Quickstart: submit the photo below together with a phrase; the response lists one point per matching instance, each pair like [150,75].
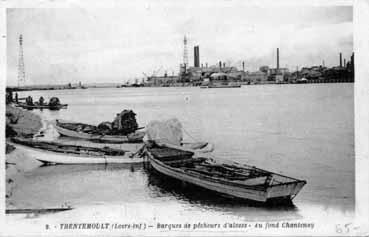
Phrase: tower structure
[185,52]
[21,70]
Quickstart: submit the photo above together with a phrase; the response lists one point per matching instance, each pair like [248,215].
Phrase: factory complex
[201,74]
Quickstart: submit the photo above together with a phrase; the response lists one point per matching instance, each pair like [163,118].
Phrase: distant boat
[302,80]
[44,106]
[225,84]
[58,153]
[84,131]
[225,177]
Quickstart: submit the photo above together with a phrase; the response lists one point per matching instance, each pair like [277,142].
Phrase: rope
[188,134]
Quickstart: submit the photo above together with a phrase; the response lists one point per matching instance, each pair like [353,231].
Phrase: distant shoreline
[37,88]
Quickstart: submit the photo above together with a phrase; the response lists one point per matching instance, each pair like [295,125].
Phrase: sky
[119,44]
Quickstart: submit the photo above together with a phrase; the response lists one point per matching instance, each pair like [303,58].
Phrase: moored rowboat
[70,129]
[230,178]
[45,106]
[57,153]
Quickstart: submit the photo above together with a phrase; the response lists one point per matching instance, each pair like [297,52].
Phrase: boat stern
[285,190]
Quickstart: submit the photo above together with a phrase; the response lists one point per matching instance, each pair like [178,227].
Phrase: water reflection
[136,183]
[68,169]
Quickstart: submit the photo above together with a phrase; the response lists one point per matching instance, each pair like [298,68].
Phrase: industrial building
[199,74]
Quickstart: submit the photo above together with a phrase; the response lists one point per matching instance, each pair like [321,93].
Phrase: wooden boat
[224,86]
[37,211]
[221,84]
[89,132]
[44,106]
[225,177]
[57,153]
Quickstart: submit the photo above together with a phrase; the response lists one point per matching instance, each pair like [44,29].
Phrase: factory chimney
[223,65]
[340,59]
[277,58]
[243,65]
[352,60]
[196,56]
[220,64]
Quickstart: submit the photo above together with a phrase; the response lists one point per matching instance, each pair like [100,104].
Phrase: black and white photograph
[176,118]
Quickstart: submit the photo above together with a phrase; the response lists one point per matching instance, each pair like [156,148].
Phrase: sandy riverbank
[24,123]
[29,124]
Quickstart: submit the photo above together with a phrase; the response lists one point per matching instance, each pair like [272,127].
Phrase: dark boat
[225,177]
[44,106]
[90,132]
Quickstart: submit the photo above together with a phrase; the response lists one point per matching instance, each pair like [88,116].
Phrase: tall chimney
[340,59]
[243,65]
[220,64]
[277,58]
[223,64]
[196,56]
[352,60]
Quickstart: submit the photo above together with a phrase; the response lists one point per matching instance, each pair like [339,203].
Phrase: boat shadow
[194,194]
[46,169]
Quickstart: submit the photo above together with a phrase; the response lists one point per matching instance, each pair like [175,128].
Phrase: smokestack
[277,58]
[340,59]
[352,60]
[243,65]
[223,64]
[196,56]
[220,64]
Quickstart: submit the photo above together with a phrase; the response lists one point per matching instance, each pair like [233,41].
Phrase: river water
[304,131]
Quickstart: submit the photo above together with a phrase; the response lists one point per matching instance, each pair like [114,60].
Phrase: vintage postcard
[176,118]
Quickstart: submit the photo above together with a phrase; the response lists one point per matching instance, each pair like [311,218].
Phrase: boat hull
[219,85]
[50,157]
[259,193]
[214,186]
[131,138]
[57,107]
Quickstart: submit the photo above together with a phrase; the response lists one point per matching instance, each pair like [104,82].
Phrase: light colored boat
[57,153]
[225,177]
[63,128]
